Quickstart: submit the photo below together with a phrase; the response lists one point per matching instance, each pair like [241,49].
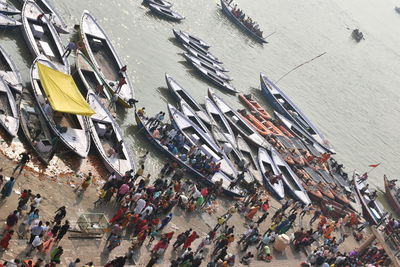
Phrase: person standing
[11,220]
[36,231]
[63,230]
[121,82]
[60,214]
[25,158]
[36,244]
[5,241]
[74,263]
[56,254]
[85,184]
[7,188]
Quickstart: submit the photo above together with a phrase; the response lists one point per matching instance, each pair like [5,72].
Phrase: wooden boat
[233,154]
[191,114]
[219,118]
[209,75]
[34,126]
[260,126]
[198,49]
[282,104]
[192,59]
[91,78]
[291,181]
[53,15]
[200,139]
[253,105]
[191,37]
[357,35]
[227,10]
[41,36]
[250,158]
[8,22]
[70,129]
[238,122]
[373,212]
[392,196]
[105,58]
[7,8]
[299,133]
[313,177]
[108,138]
[180,93]
[9,118]
[206,59]
[9,72]
[162,3]
[208,181]
[166,13]
[268,169]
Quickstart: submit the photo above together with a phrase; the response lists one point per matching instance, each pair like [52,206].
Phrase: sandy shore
[56,184]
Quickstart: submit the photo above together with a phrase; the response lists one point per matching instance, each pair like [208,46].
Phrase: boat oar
[269,35]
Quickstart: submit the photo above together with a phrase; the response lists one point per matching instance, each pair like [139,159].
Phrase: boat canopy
[62,92]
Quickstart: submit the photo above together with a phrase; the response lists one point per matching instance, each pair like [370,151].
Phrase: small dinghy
[203,58]
[62,105]
[162,3]
[41,36]
[178,34]
[282,104]
[357,35]
[180,93]
[8,22]
[35,128]
[9,118]
[290,179]
[219,118]
[8,8]
[9,72]
[238,122]
[200,139]
[191,59]
[91,78]
[209,75]
[105,58]
[108,138]
[165,13]
[250,159]
[269,170]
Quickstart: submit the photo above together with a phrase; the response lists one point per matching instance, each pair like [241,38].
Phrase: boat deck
[104,58]
[46,38]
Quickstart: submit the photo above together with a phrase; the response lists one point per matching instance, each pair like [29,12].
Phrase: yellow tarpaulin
[62,92]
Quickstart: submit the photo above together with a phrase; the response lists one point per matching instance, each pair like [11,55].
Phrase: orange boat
[254,106]
[258,125]
[283,129]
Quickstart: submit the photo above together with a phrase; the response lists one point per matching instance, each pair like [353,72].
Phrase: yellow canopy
[62,92]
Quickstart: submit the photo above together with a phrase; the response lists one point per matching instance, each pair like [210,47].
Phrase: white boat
[9,117]
[35,128]
[290,179]
[197,137]
[238,122]
[249,157]
[219,118]
[266,164]
[41,36]
[7,8]
[103,55]
[70,128]
[9,72]
[8,22]
[191,114]
[108,139]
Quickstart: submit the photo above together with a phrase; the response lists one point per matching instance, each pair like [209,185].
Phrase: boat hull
[391,197]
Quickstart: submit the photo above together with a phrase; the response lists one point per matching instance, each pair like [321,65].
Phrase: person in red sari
[190,240]
[121,211]
[5,241]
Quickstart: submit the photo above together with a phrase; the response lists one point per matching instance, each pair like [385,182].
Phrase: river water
[351,93]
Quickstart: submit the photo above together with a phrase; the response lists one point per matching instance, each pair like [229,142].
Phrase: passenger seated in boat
[48,110]
[364,189]
[109,131]
[122,71]
[156,134]
[119,146]
[274,179]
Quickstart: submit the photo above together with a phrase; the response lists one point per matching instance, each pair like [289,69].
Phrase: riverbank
[58,190]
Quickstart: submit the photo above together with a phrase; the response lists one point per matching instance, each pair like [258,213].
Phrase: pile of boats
[54,114]
[238,17]
[208,65]
[162,8]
